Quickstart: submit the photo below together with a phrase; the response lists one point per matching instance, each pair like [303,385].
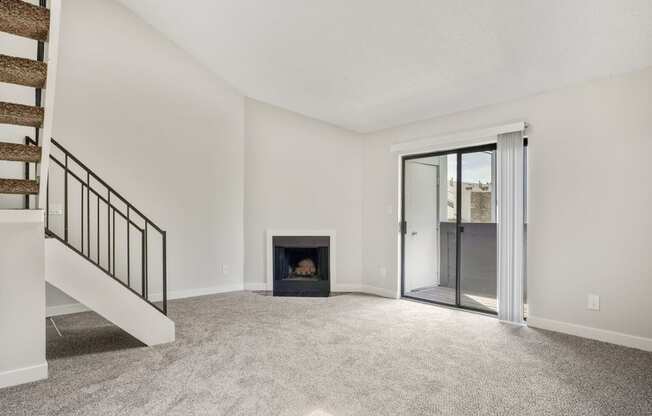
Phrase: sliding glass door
[430,273]
[449,228]
[478,237]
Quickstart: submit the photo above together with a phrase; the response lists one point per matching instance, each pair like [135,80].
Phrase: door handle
[413,233]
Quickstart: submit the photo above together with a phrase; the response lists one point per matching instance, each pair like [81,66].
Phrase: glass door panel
[477,226]
[429,229]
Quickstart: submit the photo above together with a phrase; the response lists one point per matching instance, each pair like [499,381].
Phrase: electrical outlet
[382,271]
[225,269]
[593,302]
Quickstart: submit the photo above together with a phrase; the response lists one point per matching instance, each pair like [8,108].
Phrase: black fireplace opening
[301,266]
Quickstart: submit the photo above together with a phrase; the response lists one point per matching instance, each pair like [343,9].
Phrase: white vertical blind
[510,177]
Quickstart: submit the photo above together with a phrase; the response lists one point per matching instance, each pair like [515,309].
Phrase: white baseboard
[155,297]
[517,324]
[379,291]
[255,286]
[344,287]
[603,335]
[24,375]
[65,309]
[191,293]
[370,290]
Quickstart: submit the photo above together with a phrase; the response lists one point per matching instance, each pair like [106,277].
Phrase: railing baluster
[65,201]
[145,283]
[98,231]
[165,274]
[26,176]
[142,262]
[128,250]
[81,197]
[113,238]
[108,232]
[47,205]
[88,214]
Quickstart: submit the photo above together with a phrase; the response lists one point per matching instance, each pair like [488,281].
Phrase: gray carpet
[248,354]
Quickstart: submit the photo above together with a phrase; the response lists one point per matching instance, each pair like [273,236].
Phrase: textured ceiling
[371,64]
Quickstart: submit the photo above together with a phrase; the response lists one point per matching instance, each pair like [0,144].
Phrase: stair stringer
[51,57]
[85,282]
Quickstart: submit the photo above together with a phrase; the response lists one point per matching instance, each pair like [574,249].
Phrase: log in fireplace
[301,265]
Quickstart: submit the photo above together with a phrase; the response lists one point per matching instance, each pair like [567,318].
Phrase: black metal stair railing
[91,211]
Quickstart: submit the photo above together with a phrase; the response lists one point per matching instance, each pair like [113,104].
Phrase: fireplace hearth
[301,265]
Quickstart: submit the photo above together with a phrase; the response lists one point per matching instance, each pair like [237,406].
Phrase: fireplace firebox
[301,265]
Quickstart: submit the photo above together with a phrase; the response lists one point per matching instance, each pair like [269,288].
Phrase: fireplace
[301,265]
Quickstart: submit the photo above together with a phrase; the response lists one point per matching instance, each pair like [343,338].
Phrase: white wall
[590,228]
[22,297]
[162,130]
[301,173]
[171,138]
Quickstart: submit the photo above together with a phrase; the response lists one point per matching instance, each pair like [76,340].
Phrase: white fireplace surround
[271,233]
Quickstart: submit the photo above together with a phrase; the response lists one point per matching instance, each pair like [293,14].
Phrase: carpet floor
[247,354]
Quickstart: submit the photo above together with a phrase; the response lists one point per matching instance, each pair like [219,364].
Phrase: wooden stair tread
[18,187]
[20,152]
[21,115]
[24,19]
[21,71]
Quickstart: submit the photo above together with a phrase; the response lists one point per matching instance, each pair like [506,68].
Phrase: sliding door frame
[458,222]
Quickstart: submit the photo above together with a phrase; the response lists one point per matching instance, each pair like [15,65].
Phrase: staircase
[103,251]
[100,249]
[33,22]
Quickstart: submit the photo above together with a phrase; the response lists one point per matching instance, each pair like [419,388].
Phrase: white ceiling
[371,64]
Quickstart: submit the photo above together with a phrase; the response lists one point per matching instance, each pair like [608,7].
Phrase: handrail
[132,217]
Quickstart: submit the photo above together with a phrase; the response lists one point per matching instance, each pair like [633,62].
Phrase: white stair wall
[78,278]
[22,298]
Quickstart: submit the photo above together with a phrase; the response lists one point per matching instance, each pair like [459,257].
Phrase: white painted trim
[456,140]
[193,293]
[346,287]
[255,286]
[270,233]
[51,57]
[521,324]
[603,335]
[67,309]
[379,291]
[24,375]
[15,216]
